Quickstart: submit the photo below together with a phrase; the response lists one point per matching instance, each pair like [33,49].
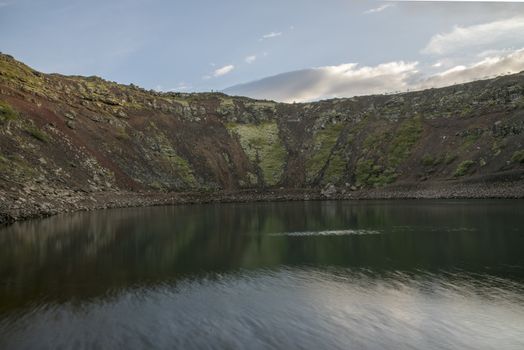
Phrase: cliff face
[61,135]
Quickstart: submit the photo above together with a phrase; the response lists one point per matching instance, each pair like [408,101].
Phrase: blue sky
[285,50]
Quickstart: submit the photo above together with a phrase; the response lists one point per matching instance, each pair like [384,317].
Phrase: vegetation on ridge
[263,147]
[91,135]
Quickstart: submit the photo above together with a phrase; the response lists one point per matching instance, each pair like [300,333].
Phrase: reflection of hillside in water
[293,307]
[88,254]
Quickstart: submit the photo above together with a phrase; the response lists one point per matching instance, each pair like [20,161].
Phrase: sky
[293,50]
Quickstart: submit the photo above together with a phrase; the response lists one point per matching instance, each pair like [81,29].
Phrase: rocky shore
[38,205]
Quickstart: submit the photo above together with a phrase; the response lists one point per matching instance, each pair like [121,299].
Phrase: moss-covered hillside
[64,134]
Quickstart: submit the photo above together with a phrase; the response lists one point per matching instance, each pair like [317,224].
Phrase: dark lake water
[302,275]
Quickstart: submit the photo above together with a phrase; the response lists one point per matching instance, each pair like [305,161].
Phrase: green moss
[375,139]
[335,169]
[37,134]
[226,106]
[388,150]
[182,102]
[17,71]
[226,102]
[16,168]
[263,147]
[5,165]
[252,179]
[470,140]
[323,142]
[466,111]
[121,134]
[404,139]
[518,157]
[156,186]
[170,158]
[261,106]
[184,170]
[428,160]
[181,169]
[7,113]
[498,146]
[370,174]
[449,158]
[463,168]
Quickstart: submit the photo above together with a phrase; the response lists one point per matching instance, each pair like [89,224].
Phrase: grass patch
[261,106]
[466,111]
[121,134]
[449,158]
[498,146]
[184,170]
[370,174]
[16,168]
[167,156]
[263,147]
[38,134]
[335,169]
[226,102]
[386,151]
[7,113]
[428,160]
[323,142]
[518,157]
[404,139]
[463,168]
[470,140]
[374,140]
[18,71]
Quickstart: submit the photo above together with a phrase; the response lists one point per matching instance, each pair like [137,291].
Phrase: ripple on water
[327,233]
[328,308]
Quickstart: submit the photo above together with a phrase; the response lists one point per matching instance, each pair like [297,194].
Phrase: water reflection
[273,272]
[288,308]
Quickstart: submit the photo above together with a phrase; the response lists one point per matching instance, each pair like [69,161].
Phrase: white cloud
[223,70]
[330,81]
[350,79]
[486,68]
[378,9]
[488,53]
[502,32]
[271,35]
[251,59]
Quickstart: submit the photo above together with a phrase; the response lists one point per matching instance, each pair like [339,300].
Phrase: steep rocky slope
[66,141]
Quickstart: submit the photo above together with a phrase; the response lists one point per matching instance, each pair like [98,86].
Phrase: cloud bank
[350,79]
[486,68]
[506,32]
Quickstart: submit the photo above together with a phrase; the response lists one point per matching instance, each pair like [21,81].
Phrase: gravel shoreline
[39,205]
